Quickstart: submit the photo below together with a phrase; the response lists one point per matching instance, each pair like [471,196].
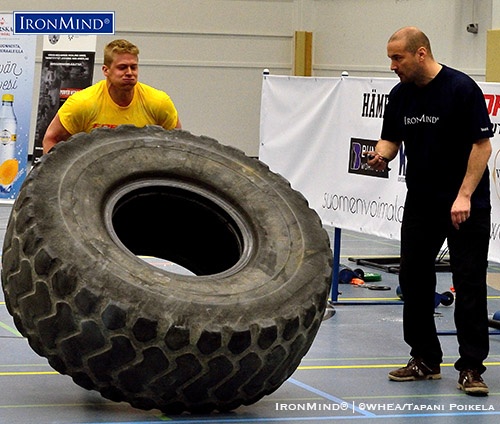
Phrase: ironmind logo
[62,23]
[424,119]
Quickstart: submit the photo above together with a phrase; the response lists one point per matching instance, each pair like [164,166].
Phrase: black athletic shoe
[471,382]
[416,370]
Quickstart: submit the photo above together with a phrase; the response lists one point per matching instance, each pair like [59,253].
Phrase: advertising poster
[313,131]
[17,65]
[67,67]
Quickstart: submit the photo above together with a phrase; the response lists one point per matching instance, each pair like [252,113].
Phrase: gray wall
[209,54]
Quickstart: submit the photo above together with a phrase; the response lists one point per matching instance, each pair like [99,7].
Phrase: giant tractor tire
[79,290]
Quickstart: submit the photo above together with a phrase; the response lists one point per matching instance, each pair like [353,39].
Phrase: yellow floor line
[25,373]
[448,358]
[10,329]
[369,366]
[385,298]
[301,368]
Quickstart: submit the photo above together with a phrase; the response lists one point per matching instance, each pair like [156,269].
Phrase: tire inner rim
[179,227]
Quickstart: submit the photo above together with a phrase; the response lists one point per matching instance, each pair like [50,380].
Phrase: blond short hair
[118,47]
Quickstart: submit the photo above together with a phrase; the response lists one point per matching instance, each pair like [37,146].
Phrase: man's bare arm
[478,160]
[54,134]
[384,152]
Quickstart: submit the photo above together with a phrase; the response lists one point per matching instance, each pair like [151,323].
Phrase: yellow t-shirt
[93,107]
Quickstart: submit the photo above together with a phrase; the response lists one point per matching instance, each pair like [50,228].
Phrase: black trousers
[426,225]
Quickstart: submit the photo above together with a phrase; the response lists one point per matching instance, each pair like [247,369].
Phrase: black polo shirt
[438,124]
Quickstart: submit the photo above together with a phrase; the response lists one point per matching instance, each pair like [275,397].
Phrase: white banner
[313,131]
[17,69]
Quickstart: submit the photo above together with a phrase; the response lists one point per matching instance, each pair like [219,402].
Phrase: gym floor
[343,378]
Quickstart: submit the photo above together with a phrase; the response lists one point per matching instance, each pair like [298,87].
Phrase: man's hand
[460,211]
[478,160]
[376,160]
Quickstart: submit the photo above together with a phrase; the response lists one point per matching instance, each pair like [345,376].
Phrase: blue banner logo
[48,23]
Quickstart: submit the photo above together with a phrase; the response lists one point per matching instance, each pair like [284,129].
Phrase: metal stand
[337,236]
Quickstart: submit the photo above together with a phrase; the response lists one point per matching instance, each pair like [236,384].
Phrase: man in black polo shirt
[440,115]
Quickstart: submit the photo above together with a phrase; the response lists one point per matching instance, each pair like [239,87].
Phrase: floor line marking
[368,366]
[383,358]
[390,298]
[299,368]
[331,398]
[10,329]
[26,373]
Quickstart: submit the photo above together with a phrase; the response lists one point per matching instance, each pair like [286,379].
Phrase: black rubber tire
[78,290]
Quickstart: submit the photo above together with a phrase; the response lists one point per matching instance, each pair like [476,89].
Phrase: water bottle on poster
[9,164]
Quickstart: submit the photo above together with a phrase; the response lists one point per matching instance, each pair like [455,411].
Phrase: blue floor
[343,378]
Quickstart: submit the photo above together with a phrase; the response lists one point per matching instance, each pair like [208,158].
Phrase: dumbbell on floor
[446,298]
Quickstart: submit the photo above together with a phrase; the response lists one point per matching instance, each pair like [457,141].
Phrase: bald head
[411,57]
[413,39]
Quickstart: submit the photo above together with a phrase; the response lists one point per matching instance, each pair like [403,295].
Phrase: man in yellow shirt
[119,99]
